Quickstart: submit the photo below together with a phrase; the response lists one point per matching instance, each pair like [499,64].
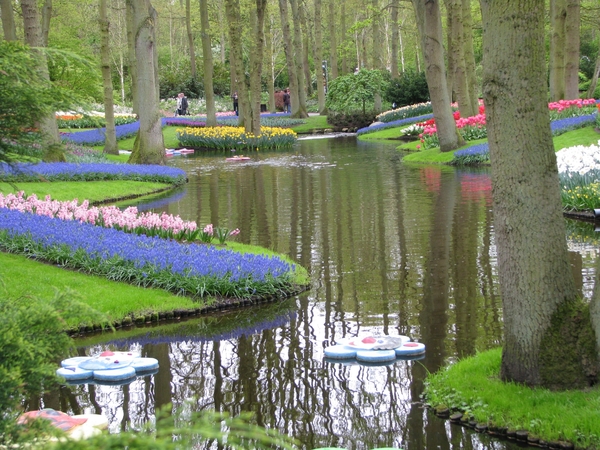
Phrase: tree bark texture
[534,273]
[572,39]
[8,20]
[190,37]
[131,56]
[333,60]
[298,98]
[394,6]
[558,14]
[469,54]
[207,60]
[256,63]
[429,22]
[33,37]
[319,57]
[288,49]
[110,137]
[149,147]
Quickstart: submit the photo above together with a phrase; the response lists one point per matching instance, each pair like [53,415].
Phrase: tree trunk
[594,81]
[333,61]
[319,58]
[544,326]
[288,49]
[110,137]
[33,37]
[298,98]
[256,60]
[46,16]
[377,49]
[394,5]
[469,53]
[306,49]
[131,56]
[149,147]
[270,64]
[207,60]
[572,22]
[190,36]
[558,14]
[8,20]
[344,58]
[430,29]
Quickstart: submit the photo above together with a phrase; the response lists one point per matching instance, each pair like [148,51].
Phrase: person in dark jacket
[182,105]
[287,107]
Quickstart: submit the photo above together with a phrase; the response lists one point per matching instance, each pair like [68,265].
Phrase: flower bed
[579,172]
[229,138]
[405,112]
[91,172]
[393,124]
[197,270]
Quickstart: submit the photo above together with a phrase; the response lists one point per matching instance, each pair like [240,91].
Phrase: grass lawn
[473,385]
[312,124]
[94,191]
[582,136]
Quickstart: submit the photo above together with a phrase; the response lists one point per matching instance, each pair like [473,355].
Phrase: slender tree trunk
[594,81]
[430,29]
[190,36]
[288,48]
[298,98]
[8,20]
[558,14]
[110,137]
[256,60]
[270,64]
[333,61]
[319,58]
[469,53]
[343,31]
[46,16]
[547,334]
[305,49]
[395,4]
[232,7]
[131,56]
[572,23]
[53,150]
[377,49]
[211,112]
[149,146]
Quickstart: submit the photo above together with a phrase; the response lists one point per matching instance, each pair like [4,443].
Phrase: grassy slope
[571,415]
[582,136]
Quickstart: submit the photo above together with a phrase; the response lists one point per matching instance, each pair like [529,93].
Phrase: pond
[390,248]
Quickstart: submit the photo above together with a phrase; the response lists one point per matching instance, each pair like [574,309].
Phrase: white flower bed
[579,159]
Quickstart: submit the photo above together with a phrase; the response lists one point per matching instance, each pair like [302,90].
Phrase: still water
[390,248]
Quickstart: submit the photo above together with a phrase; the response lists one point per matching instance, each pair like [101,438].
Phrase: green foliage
[409,89]
[75,73]
[25,96]
[351,119]
[356,92]
[198,427]
[32,340]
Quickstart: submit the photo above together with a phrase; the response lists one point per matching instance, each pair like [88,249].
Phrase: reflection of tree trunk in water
[213,198]
[433,317]
[492,301]
[403,268]
[262,219]
[163,378]
[381,250]
[464,270]
[218,392]
[595,305]
[126,397]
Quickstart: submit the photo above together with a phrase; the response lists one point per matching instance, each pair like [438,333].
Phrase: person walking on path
[287,107]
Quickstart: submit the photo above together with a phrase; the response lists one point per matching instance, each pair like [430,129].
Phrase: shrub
[353,119]
[409,89]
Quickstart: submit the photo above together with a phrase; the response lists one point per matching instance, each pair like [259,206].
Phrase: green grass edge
[472,386]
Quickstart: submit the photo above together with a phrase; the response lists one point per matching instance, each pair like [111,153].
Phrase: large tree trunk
[110,137]
[190,36]
[8,20]
[53,149]
[207,60]
[232,8]
[544,326]
[429,22]
[572,23]
[306,39]
[319,62]
[149,147]
[558,14]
